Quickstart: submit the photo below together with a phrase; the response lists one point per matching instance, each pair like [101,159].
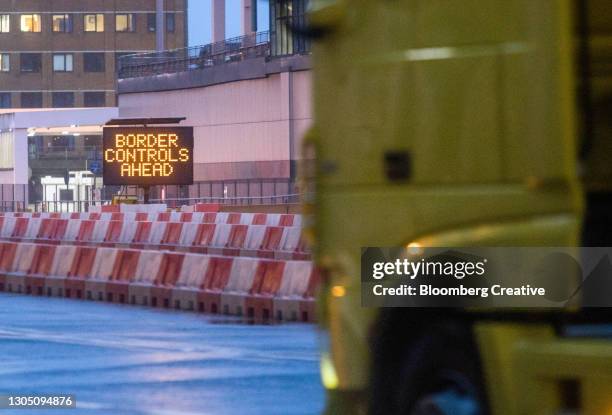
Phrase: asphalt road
[129,360]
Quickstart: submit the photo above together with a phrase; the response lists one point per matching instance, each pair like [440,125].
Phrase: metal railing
[174,203]
[195,57]
[12,205]
[64,153]
[289,199]
[66,205]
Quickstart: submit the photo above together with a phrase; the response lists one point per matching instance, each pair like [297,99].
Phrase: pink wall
[242,123]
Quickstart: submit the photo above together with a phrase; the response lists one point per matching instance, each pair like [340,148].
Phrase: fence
[195,57]
[13,197]
[245,192]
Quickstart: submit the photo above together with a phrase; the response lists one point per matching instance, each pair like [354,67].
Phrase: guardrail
[12,206]
[195,57]
[173,203]
[65,153]
[234,201]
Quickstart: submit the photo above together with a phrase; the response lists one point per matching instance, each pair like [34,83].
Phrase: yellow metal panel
[480,94]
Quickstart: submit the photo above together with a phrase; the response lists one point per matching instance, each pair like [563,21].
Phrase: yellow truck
[460,123]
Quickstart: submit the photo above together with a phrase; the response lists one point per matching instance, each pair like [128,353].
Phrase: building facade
[248,99]
[64,53]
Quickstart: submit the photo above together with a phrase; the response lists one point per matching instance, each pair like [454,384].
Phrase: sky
[200,19]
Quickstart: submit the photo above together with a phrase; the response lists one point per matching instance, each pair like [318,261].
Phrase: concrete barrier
[257,288]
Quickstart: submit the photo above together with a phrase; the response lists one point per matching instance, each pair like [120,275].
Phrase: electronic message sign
[147,155]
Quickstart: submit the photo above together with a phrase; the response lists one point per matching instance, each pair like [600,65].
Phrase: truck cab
[460,123]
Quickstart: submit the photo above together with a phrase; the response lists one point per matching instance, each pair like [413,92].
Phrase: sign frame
[112,170]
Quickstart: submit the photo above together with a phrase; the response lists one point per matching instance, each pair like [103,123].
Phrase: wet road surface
[129,360]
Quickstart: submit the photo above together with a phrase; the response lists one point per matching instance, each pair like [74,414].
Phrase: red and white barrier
[230,218]
[263,241]
[253,287]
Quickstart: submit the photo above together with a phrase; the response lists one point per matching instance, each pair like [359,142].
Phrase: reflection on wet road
[131,360]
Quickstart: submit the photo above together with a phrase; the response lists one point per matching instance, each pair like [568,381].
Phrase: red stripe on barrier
[204,235]
[271,241]
[142,217]
[186,216]
[75,215]
[172,233]
[111,208]
[7,253]
[237,236]
[124,269]
[21,225]
[80,270]
[117,216]
[216,278]
[96,215]
[233,218]
[163,216]
[207,207]
[259,219]
[268,277]
[113,232]
[39,269]
[86,230]
[210,217]
[235,240]
[286,220]
[169,272]
[60,229]
[143,230]
[47,226]
[267,281]
[84,257]
[308,305]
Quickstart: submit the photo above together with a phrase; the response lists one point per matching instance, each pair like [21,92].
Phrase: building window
[30,23]
[62,23]
[285,14]
[5,62]
[94,99]
[62,62]
[151,22]
[5,23]
[30,62]
[31,100]
[93,62]
[170,22]
[63,99]
[5,100]
[94,22]
[125,22]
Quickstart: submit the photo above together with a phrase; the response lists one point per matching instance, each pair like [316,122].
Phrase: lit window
[62,23]
[62,62]
[94,23]
[5,62]
[30,22]
[125,22]
[5,23]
